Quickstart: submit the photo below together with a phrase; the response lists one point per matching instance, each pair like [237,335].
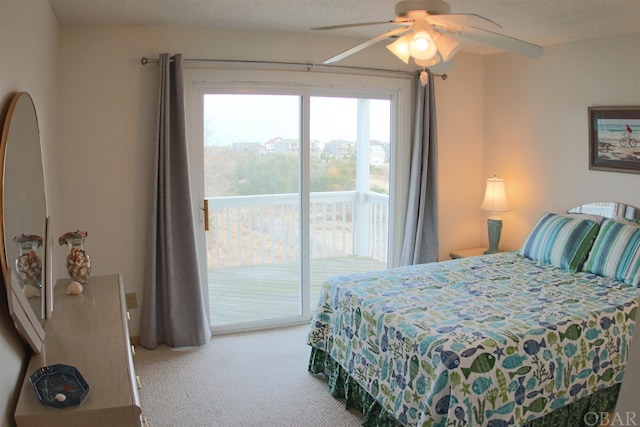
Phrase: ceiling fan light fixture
[422,45]
[424,63]
[429,24]
[400,48]
[447,46]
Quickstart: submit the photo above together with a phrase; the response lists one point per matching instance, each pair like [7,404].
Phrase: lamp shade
[428,62]
[400,48]
[422,45]
[495,197]
[447,46]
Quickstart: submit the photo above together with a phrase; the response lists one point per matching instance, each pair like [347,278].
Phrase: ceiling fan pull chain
[424,77]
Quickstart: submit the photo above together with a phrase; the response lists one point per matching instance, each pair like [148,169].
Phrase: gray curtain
[420,244]
[173,309]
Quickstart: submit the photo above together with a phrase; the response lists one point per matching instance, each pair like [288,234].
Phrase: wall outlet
[132,300]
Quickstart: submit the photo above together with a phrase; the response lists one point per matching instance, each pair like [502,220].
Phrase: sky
[258,118]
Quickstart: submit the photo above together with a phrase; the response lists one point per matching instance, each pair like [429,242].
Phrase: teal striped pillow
[560,240]
[616,252]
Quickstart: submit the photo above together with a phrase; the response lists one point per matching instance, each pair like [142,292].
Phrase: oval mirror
[24,213]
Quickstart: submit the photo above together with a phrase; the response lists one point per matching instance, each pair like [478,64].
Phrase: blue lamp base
[495,229]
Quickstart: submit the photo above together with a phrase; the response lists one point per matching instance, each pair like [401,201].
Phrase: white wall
[461,180]
[536,127]
[107,114]
[29,52]
[534,124]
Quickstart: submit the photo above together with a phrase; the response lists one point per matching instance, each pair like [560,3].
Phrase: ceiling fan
[428,32]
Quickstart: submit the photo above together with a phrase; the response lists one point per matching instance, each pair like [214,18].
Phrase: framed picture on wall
[614,139]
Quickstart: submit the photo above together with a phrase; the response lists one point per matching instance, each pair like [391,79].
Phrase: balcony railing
[253,230]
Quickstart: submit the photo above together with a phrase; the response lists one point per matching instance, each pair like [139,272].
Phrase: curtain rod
[144,61]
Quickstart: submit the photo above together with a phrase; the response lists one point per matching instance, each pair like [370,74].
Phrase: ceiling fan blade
[461,20]
[361,46]
[361,24]
[501,41]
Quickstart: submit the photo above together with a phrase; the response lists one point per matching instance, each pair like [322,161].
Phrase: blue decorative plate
[59,386]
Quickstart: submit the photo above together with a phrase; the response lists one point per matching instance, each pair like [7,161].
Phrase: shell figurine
[31,291]
[74,288]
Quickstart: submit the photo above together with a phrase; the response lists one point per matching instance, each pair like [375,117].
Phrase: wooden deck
[268,291]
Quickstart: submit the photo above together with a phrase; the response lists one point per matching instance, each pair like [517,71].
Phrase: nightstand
[465,253]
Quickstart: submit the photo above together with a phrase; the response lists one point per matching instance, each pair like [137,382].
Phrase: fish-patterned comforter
[486,341]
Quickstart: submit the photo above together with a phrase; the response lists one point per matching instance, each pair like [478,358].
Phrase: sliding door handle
[206,214]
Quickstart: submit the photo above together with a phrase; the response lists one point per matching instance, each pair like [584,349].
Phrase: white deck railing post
[363,140]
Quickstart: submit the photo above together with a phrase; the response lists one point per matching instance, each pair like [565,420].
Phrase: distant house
[340,148]
[377,155]
[288,146]
[247,147]
[280,145]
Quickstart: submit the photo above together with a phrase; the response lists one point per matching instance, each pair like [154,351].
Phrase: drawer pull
[128,315]
[138,382]
[133,349]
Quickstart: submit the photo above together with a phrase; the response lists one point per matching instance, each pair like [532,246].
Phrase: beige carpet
[240,380]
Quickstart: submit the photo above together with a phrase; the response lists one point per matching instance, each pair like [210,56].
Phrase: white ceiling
[542,22]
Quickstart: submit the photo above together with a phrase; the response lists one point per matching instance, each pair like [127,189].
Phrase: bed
[532,337]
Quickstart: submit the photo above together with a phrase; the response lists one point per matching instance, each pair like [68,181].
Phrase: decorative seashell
[60,397]
[74,288]
[31,291]
[78,264]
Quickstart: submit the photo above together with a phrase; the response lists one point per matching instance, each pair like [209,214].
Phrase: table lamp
[495,201]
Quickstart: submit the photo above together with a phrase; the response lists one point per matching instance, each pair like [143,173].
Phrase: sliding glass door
[296,189]
[252,186]
[349,185]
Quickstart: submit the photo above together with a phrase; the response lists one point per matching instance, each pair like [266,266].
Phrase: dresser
[90,332]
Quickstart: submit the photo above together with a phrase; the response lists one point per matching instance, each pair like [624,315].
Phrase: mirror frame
[613,210]
[29,324]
